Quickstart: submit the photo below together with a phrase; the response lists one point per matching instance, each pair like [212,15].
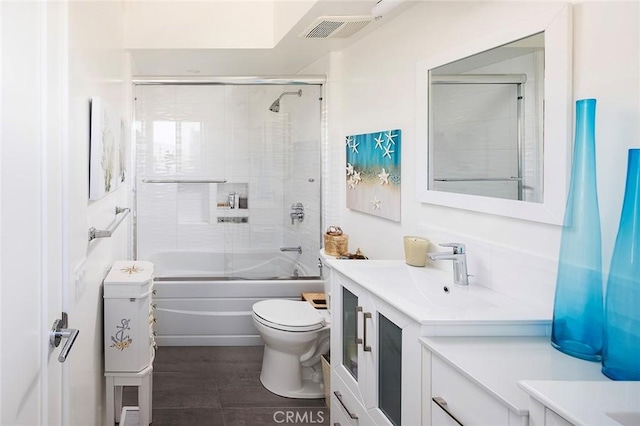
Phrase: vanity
[380,310]
[408,347]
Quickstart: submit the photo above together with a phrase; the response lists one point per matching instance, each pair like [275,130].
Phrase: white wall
[98,66]
[376,80]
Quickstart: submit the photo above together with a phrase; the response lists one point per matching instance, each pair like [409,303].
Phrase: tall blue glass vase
[621,351]
[578,306]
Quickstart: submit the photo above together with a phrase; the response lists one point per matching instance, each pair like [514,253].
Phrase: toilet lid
[288,315]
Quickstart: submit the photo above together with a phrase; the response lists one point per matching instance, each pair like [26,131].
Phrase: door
[32,231]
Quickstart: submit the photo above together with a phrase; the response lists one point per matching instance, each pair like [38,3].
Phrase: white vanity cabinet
[375,359]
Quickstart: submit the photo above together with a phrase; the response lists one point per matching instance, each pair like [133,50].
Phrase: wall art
[373,173]
[104,150]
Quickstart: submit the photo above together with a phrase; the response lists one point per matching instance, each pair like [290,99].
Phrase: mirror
[494,121]
[485,121]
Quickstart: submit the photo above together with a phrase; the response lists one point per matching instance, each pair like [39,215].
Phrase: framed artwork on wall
[107,158]
[373,173]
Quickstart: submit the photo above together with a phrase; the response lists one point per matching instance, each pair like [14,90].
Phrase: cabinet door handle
[440,401]
[339,396]
[358,339]
[367,315]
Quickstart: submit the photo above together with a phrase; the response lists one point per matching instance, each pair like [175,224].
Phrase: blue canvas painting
[373,173]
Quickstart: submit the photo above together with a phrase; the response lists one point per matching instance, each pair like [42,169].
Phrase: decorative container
[336,243]
[128,322]
[415,251]
[621,350]
[578,305]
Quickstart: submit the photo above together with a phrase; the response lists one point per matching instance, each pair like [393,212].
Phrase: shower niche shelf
[232,196]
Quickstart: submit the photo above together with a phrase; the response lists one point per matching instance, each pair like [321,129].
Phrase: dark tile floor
[212,385]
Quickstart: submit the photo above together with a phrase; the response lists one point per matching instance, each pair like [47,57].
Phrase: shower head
[275,106]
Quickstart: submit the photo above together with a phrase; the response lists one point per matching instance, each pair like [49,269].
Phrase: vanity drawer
[344,405]
[454,395]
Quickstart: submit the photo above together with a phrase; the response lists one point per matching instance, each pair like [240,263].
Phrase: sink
[429,295]
[431,288]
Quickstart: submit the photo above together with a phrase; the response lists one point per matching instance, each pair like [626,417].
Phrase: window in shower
[197,145]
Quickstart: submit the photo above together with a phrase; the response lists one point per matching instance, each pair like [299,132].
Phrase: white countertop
[496,364]
[420,294]
[589,403]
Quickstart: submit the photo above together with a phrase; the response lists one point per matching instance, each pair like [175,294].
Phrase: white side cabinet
[455,399]
[588,403]
[129,345]
[375,359]
[474,380]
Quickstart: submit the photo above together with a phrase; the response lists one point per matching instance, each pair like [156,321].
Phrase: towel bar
[105,233]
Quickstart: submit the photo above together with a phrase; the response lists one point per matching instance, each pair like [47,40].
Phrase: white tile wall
[227,132]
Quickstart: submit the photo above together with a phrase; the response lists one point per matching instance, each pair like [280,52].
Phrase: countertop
[496,364]
[589,403]
[427,295]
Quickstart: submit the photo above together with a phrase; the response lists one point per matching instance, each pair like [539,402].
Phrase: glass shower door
[218,173]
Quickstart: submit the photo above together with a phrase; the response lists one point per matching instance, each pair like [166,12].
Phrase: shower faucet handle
[297,212]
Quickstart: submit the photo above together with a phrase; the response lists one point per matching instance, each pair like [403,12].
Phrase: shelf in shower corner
[184,180]
[233,219]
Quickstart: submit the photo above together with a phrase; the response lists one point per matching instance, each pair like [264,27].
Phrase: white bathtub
[198,305]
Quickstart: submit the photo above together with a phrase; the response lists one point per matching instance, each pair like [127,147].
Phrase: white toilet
[295,335]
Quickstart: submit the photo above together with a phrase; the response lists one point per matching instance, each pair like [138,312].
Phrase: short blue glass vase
[578,305]
[621,350]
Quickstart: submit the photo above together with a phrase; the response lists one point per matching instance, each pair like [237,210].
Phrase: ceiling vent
[336,26]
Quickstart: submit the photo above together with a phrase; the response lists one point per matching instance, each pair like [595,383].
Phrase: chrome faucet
[297,212]
[459,257]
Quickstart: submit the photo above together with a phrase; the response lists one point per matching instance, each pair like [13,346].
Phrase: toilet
[295,335]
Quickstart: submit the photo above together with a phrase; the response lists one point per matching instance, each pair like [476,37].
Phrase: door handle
[358,339]
[440,401]
[58,331]
[349,412]
[367,315]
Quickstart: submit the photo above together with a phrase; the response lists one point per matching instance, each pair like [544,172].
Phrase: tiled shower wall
[226,132]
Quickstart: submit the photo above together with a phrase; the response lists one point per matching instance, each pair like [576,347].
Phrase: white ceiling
[289,56]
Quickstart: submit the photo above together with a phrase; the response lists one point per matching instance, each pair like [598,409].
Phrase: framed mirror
[494,122]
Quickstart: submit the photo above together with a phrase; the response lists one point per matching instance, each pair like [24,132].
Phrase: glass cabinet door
[349,332]
[389,369]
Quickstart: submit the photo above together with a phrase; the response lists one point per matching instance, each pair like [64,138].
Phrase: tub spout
[297,248]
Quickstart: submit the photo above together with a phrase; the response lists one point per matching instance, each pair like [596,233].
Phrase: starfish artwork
[384,177]
[376,203]
[373,173]
[388,151]
[379,141]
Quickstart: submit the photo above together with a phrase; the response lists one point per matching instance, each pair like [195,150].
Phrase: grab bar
[298,249]
[105,233]
[184,180]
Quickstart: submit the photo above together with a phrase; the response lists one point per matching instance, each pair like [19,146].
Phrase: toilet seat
[288,315]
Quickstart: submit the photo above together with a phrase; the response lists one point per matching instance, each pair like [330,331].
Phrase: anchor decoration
[120,340]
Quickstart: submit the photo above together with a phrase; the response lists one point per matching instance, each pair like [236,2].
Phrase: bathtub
[197,304]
